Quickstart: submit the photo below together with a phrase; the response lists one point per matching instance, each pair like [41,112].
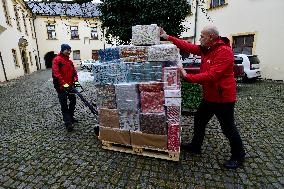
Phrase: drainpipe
[36,44]
[195,21]
[3,67]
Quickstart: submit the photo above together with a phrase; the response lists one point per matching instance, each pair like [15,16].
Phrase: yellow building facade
[28,41]
[18,48]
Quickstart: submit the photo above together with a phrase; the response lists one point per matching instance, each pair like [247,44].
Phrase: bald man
[219,90]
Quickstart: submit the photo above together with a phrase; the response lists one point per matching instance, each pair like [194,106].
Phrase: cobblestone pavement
[37,152]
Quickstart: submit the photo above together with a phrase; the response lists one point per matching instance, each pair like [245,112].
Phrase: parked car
[192,65]
[251,66]
[87,64]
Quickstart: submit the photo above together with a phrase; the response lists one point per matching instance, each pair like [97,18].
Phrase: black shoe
[233,164]
[69,127]
[191,149]
[97,131]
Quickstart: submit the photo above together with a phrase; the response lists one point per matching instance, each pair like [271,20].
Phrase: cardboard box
[115,135]
[148,140]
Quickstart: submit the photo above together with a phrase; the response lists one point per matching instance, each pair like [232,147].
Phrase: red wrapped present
[173,114]
[151,87]
[171,78]
[174,137]
[152,102]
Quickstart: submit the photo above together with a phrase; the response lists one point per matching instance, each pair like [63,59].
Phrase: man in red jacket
[64,78]
[219,90]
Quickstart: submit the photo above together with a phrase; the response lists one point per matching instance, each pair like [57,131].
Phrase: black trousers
[67,110]
[225,115]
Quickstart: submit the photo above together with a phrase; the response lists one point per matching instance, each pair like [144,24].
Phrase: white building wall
[9,40]
[263,18]
[63,35]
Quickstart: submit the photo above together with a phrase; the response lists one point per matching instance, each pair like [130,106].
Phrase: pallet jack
[86,103]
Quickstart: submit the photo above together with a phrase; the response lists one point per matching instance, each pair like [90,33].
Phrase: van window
[254,60]
[238,60]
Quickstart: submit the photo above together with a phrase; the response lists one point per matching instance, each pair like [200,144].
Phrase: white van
[251,66]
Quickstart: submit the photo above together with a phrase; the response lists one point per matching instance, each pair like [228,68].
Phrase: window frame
[95,53]
[74,37]
[25,24]
[244,45]
[76,58]
[49,31]
[6,12]
[15,58]
[32,28]
[31,60]
[220,4]
[17,18]
[92,31]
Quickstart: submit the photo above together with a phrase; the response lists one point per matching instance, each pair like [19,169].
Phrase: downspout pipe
[195,21]
[3,66]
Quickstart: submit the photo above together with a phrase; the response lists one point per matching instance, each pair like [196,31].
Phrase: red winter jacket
[216,70]
[63,71]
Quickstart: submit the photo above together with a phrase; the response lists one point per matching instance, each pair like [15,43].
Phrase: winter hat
[64,47]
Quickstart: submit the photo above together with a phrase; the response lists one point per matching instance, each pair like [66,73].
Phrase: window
[31,60]
[243,44]
[216,3]
[76,55]
[32,27]
[51,34]
[17,18]
[5,7]
[25,24]
[94,33]
[95,55]
[74,32]
[16,62]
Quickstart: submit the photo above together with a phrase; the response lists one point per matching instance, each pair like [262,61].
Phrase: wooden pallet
[155,153]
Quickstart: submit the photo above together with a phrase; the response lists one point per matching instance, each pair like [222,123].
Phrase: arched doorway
[23,43]
[48,57]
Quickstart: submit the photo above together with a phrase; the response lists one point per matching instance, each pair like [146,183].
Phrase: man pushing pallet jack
[65,80]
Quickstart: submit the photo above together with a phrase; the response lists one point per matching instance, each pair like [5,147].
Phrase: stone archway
[23,43]
[48,57]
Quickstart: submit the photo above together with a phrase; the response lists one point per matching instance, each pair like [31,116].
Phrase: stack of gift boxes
[138,94]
